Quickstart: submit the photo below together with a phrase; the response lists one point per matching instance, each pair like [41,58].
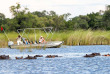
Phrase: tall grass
[78,37]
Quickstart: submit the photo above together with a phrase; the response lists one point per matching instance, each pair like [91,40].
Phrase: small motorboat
[48,44]
[52,44]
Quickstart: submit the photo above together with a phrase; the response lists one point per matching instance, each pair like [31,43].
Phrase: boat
[52,44]
[48,44]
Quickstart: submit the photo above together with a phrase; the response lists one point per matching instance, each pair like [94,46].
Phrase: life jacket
[26,42]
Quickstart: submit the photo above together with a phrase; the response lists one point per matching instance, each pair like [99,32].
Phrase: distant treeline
[23,18]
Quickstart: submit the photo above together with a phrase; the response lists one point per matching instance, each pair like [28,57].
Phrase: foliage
[23,18]
[106,18]
[95,21]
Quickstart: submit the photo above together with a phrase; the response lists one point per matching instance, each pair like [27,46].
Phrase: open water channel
[71,62]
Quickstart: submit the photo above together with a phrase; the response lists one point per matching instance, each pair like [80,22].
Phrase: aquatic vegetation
[78,37]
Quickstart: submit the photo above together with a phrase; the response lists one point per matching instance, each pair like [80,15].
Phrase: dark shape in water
[96,54]
[92,55]
[106,55]
[52,56]
[89,55]
[4,57]
[30,57]
[19,57]
[38,55]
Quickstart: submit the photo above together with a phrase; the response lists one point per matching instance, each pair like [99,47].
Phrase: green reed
[78,37]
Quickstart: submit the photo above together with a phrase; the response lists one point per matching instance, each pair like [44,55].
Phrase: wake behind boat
[48,44]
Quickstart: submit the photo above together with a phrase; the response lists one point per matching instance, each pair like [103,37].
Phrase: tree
[106,18]
[40,14]
[16,10]
[2,19]
[107,7]
[22,17]
[80,22]
[95,21]
[2,16]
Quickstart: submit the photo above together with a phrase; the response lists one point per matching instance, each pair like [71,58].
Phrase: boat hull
[52,44]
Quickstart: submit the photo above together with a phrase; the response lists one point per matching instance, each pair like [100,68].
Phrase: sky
[74,7]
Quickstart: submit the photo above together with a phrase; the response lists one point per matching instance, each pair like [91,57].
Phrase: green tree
[95,21]
[106,18]
[21,17]
[2,19]
[80,22]
[40,14]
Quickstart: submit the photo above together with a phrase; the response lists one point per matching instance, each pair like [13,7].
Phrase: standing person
[19,40]
[40,39]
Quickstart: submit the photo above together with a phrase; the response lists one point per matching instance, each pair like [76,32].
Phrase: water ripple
[71,62]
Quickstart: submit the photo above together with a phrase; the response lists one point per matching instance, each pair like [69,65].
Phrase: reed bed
[78,37]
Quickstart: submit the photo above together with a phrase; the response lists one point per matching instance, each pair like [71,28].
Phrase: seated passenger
[32,42]
[29,42]
[35,42]
[42,40]
[23,39]
[26,41]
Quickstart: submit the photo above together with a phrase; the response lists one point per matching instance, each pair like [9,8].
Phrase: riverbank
[78,37]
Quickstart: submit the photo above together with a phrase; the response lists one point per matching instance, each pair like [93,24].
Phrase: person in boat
[23,39]
[32,42]
[42,40]
[26,41]
[19,40]
[35,42]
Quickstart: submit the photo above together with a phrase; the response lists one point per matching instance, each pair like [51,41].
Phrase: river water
[71,62]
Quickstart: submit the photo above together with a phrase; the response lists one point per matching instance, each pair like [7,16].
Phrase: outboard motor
[10,43]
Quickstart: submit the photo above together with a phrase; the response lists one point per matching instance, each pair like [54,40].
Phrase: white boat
[48,44]
[52,44]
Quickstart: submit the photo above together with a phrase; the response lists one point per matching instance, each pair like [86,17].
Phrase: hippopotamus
[19,57]
[89,55]
[96,54]
[30,57]
[92,55]
[4,57]
[52,56]
[38,55]
[106,55]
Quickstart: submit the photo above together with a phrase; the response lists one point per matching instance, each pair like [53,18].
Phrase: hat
[41,36]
